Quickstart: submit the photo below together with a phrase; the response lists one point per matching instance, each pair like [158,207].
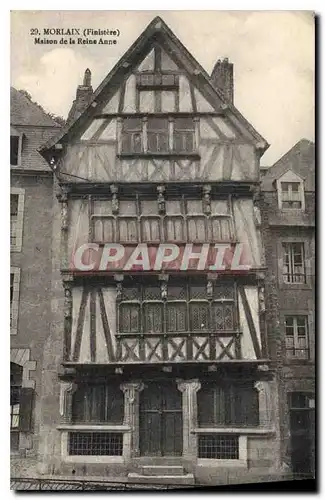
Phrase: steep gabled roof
[25,112]
[156,31]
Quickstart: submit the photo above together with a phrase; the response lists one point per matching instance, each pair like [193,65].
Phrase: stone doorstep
[144,461]
[168,479]
[162,470]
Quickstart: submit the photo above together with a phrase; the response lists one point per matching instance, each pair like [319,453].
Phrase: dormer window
[291,195]
[291,192]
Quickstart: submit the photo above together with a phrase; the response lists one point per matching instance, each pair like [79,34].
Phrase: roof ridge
[21,95]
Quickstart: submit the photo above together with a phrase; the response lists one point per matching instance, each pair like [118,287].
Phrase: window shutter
[249,406]
[26,409]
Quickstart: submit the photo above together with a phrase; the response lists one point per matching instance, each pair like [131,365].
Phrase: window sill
[168,155]
[221,462]
[294,286]
[94,427]
[234,430]
[298,362]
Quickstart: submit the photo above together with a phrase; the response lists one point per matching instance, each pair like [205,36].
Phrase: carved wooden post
[66,393]
[115,203]
[265,402]
[161,200]
[207,199]
[63,199]
[67,284]
[189,390]
[131,417]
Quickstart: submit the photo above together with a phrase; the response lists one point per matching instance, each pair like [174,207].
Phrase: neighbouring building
[31,210]
[288,215]
[156,360]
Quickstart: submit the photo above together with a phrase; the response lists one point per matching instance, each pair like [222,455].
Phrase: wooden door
[161,420]
[302,417]
[301,440]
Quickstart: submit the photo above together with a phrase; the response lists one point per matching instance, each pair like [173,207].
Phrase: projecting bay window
[296,336]
[294,263]
[187,308]
[138,220]
[154,135]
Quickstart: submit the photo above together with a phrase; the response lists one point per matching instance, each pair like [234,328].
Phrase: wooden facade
[159,156]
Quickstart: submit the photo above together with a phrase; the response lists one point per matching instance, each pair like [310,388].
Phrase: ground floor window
[228,404]
[219,447]
[95,443]
[98,403]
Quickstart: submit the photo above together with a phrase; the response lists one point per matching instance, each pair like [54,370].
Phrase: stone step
[158,461]
[162,470]
[186,479]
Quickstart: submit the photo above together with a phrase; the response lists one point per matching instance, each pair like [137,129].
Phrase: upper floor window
[15,147]
[14,298]
[138,219]
[158,135]
[291,194]
[294,263]
[16,218]
[186,309]
[296,331]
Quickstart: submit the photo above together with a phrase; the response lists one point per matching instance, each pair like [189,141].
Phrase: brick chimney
[83,96]
[223,78]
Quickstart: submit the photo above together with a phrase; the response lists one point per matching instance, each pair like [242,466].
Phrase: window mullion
[145,134]
[295,334]
[291,262]
[171,134]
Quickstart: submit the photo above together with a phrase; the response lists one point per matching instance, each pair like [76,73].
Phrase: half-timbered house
[159,369]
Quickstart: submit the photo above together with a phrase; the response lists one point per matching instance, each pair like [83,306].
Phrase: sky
[272,53]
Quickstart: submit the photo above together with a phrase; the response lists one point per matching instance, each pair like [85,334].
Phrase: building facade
[157,364]
[31,204]
[288,209]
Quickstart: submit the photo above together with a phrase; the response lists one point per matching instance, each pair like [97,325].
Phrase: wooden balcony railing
[177,347]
